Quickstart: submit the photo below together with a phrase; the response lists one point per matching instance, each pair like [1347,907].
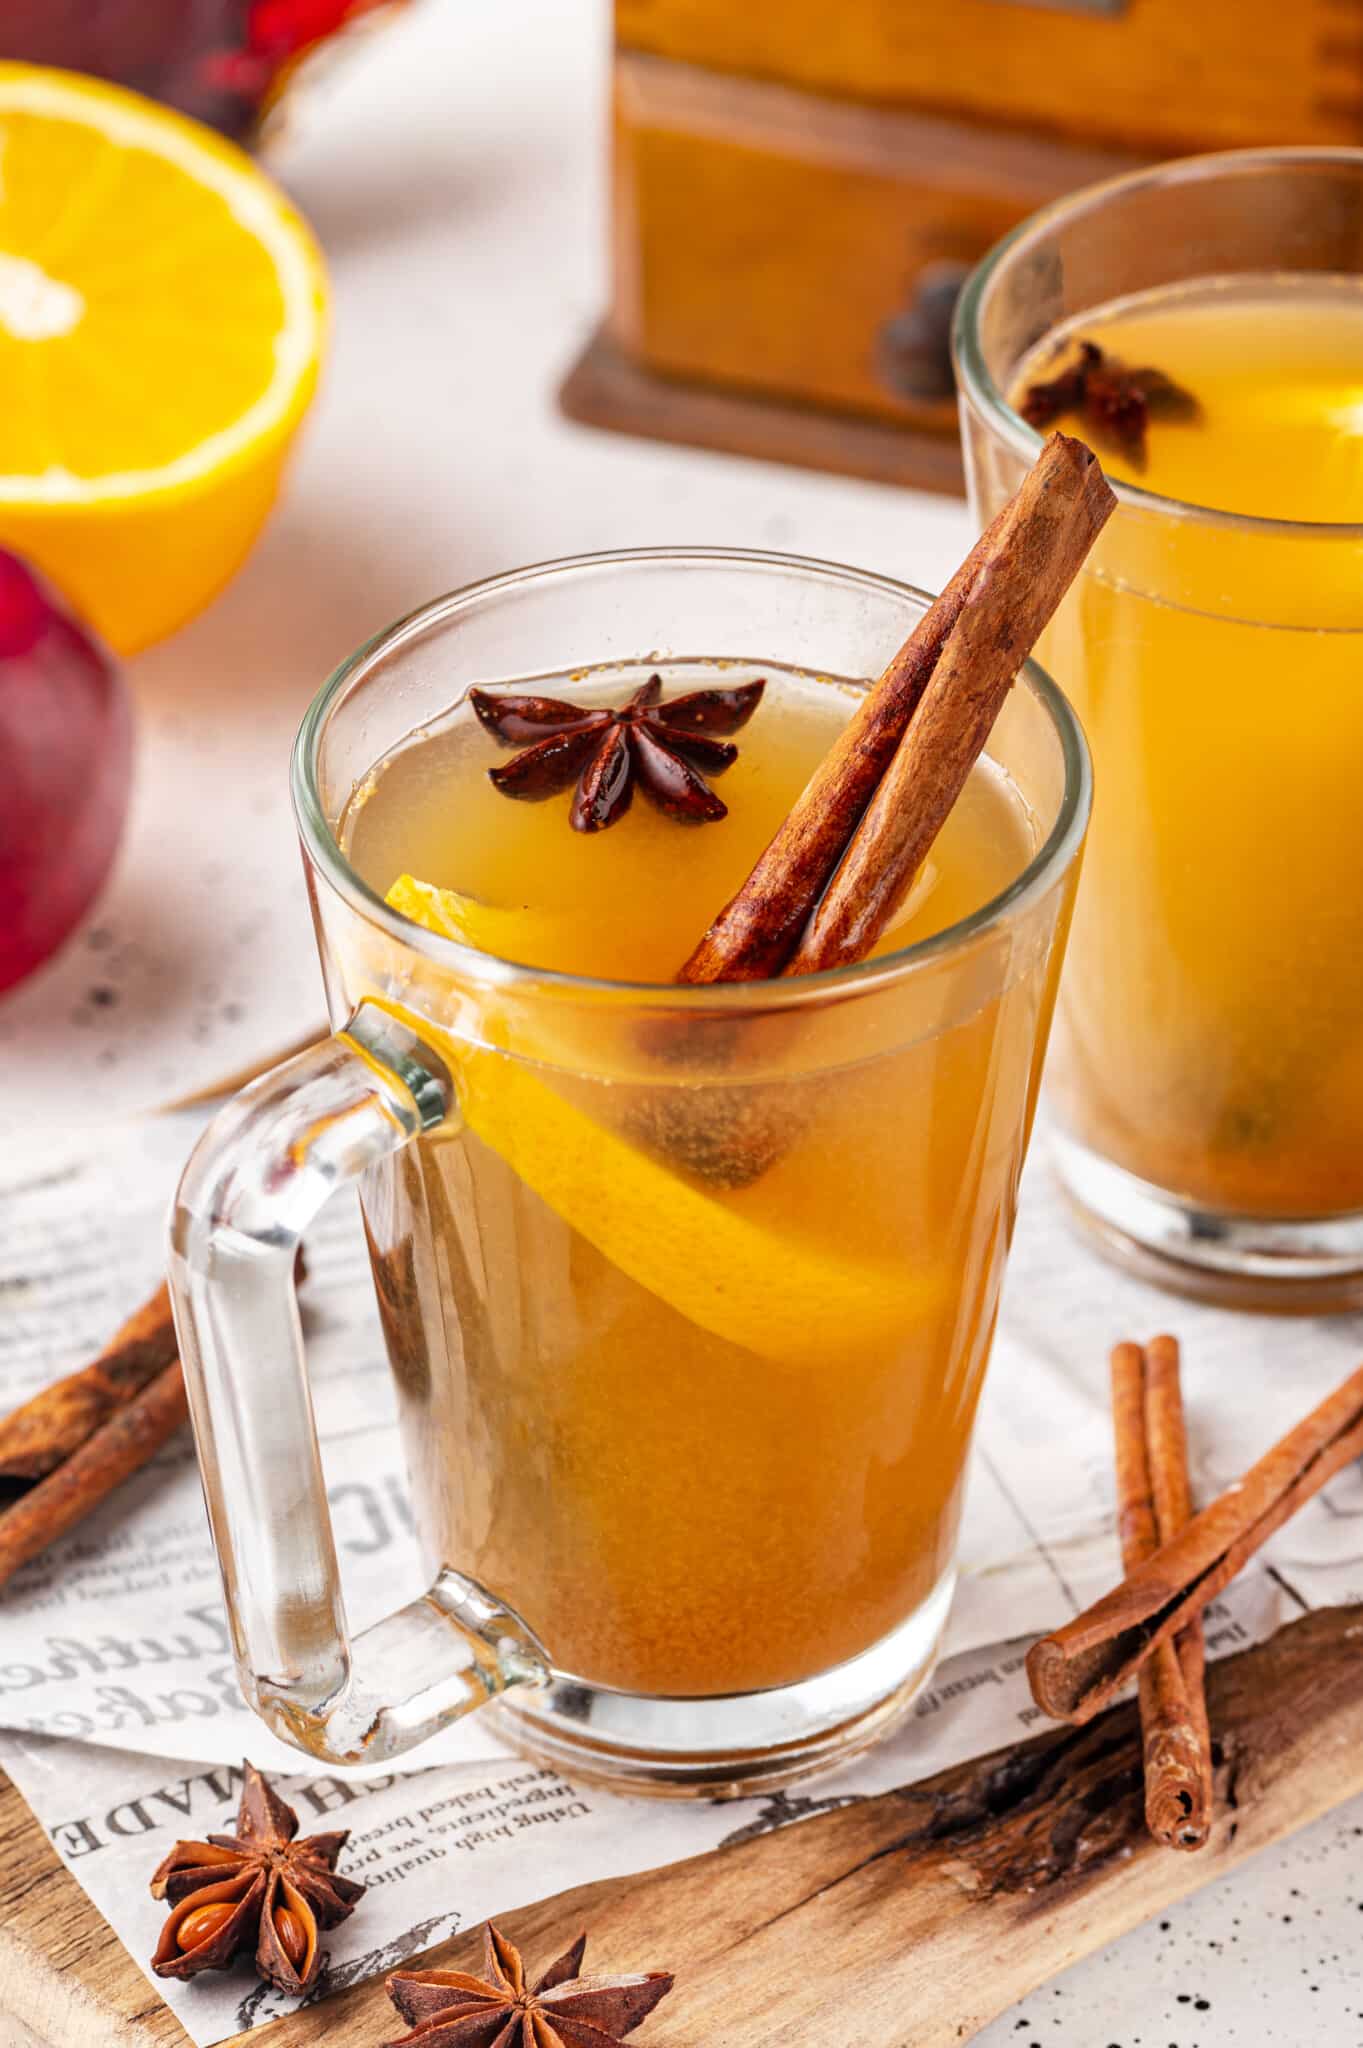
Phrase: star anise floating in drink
[664,747]
[260,1889]
[1116,404]
[451,2009]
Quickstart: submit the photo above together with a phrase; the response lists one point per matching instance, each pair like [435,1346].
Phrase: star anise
[449,2009]
[662,747]
[256,1889]
[1116,404]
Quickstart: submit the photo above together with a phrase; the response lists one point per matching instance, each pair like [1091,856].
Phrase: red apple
[65,760]
[215,59]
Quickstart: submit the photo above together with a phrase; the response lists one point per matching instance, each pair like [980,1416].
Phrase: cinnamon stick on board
[1077,1670]
[1175,1743]
[1166,1434]
[883,791]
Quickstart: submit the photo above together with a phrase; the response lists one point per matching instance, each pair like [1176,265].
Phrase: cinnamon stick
[85,1434]
[1174,1737]
[117,1449]
[1077,1670]
[38,1436]
[1167,1436]
[1033,558]
[1019,569]
[757,931]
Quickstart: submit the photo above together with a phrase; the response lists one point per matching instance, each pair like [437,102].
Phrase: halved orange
[162,315]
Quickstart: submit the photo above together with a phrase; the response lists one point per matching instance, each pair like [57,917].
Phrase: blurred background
[454,174]
[732,233]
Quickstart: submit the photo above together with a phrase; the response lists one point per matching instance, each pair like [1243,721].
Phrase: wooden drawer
[1162,76]
[804,248]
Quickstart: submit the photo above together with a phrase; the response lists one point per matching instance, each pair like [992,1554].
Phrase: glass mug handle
[253,1184]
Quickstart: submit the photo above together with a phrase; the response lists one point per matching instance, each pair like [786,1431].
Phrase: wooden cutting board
[935,1906]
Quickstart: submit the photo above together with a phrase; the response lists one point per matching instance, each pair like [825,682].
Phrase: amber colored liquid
[678,1500]
[1210,1034]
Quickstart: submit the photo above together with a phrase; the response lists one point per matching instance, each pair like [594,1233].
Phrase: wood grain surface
[66,1980]
[710,282]
[607,388]
[1164,75]
[929,1910]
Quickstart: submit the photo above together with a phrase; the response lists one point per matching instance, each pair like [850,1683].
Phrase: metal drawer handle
[914,346]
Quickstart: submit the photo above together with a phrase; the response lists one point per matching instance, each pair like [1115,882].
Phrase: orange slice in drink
[509,934]
[732,1273]
[161,323]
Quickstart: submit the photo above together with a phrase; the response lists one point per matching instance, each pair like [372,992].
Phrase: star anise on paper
[1114,402]
[449,2009]
[662,747]
[258,1889]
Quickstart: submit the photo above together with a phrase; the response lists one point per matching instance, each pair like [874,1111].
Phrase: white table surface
[455,179]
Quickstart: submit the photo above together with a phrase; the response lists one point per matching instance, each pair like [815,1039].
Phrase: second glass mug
[688,1456]
[1207,1075]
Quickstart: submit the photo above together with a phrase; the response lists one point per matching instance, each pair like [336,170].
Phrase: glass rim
[1050,859]
[976,382]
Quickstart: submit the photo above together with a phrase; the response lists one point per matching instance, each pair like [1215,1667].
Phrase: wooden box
[799,190]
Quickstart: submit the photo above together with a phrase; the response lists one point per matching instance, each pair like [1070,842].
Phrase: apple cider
[1210,1034]
[688,1320]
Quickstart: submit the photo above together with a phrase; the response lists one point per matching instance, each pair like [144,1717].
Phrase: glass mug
[1207,1073]
[687,1456]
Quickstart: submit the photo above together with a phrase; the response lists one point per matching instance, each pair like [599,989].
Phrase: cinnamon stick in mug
[1075,1672]
[1033,556]
[955,672]
[1175,1742]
